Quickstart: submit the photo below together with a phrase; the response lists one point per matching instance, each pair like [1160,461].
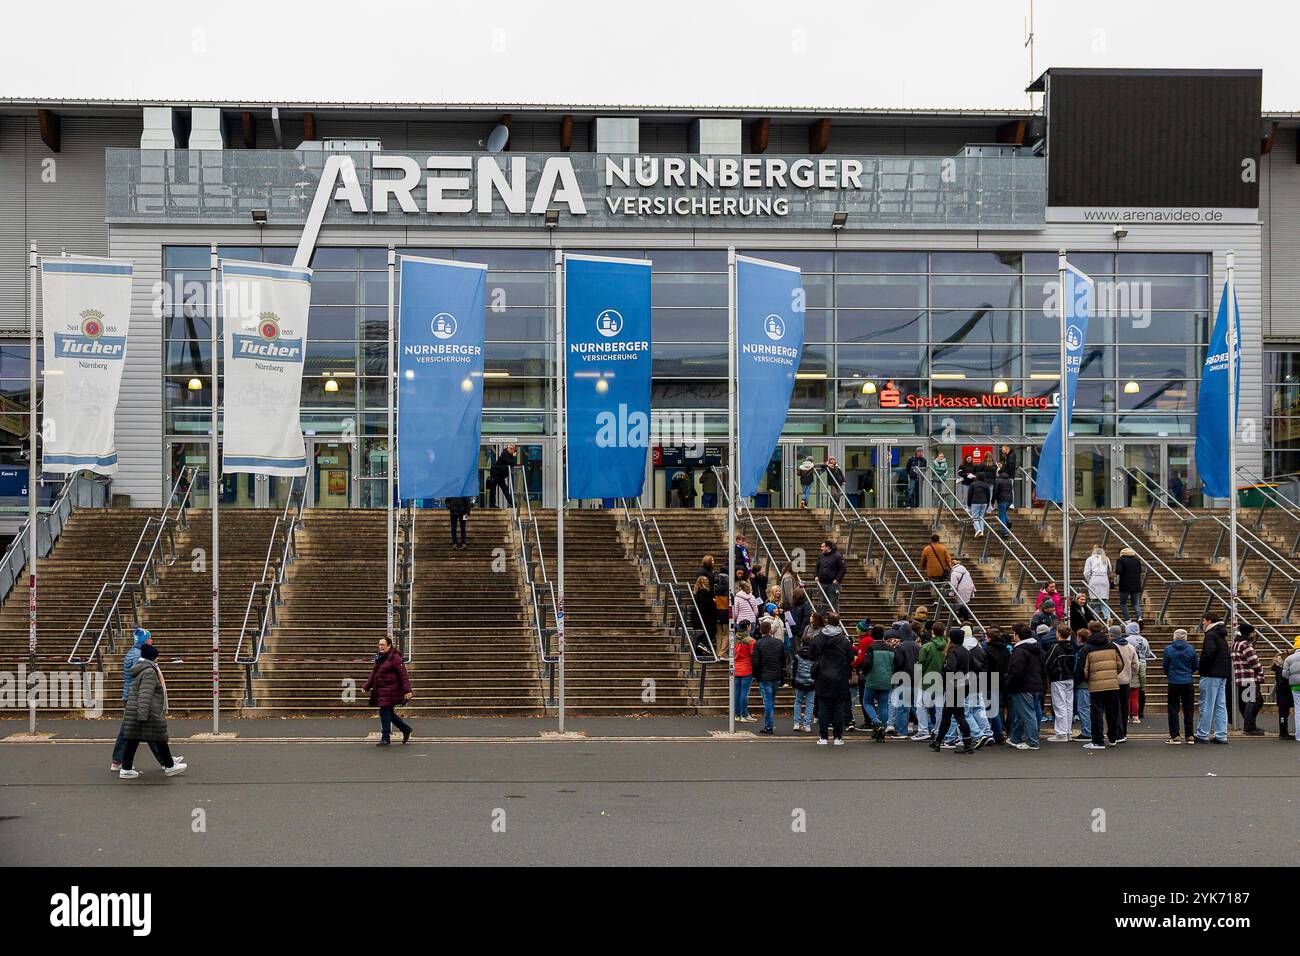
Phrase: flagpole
[561,476]
[388,481]
[731,488]
[215,496]
[1067,483]
[1230,340]
[33,485]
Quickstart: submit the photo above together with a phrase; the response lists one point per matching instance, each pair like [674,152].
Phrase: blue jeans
[875,704]
[977,516]
[1214,709]
[900,707]
[768,689]
[806,701]
[976,717]
[742,694]
[807,490]
[1002,514]
[1083,707]
[709,500]
[1024,724]
[1134,598]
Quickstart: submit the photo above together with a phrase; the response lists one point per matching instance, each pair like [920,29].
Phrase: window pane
[877,361]
[336,288]
[337,322]
[994,263]
[808,261]
[978,325]
[690,361]
[1164,327]
[1163,263]
[689,289]
[880,262]
[976,361]
[880,292]
[1166,362]
[863,326]
[689,260]
[972,292]
[1092,263]
[690,325]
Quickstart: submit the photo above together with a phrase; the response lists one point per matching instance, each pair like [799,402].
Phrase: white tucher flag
[86,311]
[264,343]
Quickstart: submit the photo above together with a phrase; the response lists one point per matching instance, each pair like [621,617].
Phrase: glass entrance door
[1180,475]
[1138,458]
[796,455]
[330,474]
[1093,487]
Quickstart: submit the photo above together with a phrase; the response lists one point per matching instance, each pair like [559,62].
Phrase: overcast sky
[900,53]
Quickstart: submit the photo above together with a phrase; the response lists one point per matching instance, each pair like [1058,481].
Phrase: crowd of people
[963,688]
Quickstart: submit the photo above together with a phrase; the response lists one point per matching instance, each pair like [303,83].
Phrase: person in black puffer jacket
[768,659]
[1128,574]
[956,675]
[144,716]
[832,665]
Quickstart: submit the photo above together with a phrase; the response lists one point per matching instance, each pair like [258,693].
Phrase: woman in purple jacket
[389,686]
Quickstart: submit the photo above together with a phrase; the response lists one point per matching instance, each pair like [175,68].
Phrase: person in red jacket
[744,670]
[389,686]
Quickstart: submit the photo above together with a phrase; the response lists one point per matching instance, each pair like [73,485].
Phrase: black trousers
[159,748]
[1249,708]
[388,719]
[1124,714]
[1105,704]
[458,528]
[949,715]
[830,711]
[1284,707]
[1180,697]
[496,484]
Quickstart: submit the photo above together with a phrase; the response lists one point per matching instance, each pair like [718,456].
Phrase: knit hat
[1245,629]
[1114,631]
[1181,635]
[770,608]
[864,626]
[1296,645]
[1132,628]
[141,636]
[957,635]
[148,652]
[1042,629]
[922,613]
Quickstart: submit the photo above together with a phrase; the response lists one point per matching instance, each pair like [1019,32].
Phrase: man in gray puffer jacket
[145,716]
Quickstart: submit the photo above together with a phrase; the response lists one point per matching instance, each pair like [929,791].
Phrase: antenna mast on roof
[1029,45]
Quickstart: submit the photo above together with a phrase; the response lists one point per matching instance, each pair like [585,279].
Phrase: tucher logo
[774,327]
[76,909]
[609,323]
[90,341]
[267,345]
[443,325]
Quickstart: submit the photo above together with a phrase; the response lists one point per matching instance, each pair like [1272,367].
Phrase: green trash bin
[1252,496]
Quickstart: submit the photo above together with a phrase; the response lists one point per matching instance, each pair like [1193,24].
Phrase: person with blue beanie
[140,637]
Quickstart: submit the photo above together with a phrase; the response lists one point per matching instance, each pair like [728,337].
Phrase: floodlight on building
[839,220]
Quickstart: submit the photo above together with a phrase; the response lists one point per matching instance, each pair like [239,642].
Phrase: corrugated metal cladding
[1279,216]
[1152,140]
[792,138]
[66,213]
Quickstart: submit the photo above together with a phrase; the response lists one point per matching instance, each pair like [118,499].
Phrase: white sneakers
[1091,746]
[128,774]
[175,769]
[178,767]
[839,741]
[1059,738]
[920,736]
[822,741]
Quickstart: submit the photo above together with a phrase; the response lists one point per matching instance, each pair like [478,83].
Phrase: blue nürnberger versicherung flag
[1077,294]
[769,337]
[607,362]
[439,377]
[1213,428]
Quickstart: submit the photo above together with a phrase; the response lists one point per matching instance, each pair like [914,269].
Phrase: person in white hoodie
[807,473]
[1096,574]
[1138,691]
[962,584]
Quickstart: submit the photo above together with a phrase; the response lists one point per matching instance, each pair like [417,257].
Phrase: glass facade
[1282,410]
[900,343]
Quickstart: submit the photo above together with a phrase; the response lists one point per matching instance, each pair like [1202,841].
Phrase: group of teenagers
[960,690]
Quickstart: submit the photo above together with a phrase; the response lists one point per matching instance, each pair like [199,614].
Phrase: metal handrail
[670,588]
[267,590]
[54,519]
[531,560]
[1247,541]
[744,512]
[405,584]
[112,621]
[1024,558]
[1280,505]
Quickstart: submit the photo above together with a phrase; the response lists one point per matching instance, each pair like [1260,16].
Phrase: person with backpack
[1179,664]
[807,474]
[805,696]
[1058,667]
[458,507]
[963,586]
[768,662]
[1024,684]
[956,672]
[876,674]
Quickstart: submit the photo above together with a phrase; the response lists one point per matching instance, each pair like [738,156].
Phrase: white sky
[896,53]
